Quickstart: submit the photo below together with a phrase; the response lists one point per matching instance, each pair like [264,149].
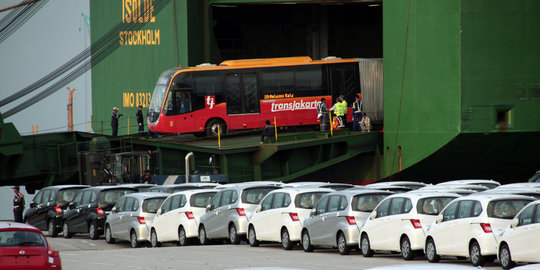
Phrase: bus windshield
[159,94]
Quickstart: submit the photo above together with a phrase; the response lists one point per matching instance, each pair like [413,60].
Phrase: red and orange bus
[243,94]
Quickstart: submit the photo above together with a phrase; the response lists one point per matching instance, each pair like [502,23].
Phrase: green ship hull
[461,79]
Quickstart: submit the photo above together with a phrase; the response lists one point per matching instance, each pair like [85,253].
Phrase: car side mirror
[515,223]
[209,208]
[113,210]
[32,204]
[373,215]
[259,207]
[72,205]
[439,219]
[312,213]
[158,212]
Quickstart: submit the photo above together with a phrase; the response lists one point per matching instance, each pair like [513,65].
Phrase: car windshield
[66,196]
[152,205]
[307,200]
[21,238]
[505,209]
[255,195]
[367,202]
[432,206]
[110,197]
[201,199]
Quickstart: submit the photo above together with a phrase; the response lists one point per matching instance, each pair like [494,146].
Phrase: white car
[281,214]
[469,226]
[480,182]
[399,223]
[178,217]
[520,241]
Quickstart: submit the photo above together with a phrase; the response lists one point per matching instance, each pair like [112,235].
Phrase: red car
[24,247]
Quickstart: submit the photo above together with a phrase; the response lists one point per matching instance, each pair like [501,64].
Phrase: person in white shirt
[365,124]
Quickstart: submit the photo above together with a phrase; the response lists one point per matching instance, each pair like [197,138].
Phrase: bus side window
[183,101]
[170,105]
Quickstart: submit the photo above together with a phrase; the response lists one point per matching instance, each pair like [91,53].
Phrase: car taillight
[294,216]
[416,223]
[351,220]
[100,211]
[189,215]
[141,220]
[241,211]
[58,209]
[486,227]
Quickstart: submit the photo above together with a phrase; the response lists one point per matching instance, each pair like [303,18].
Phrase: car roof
[58,187]
[246,186]
[189,185]
[137,185]
[458,185]
[190,192]
[146,195]
[521,184]
[101,188]
[8,226]
[425,194]
[354,192]
[302,189]
[396,183]
[493,196]
[458,191]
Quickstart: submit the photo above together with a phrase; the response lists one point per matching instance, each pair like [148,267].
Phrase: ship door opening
[340,28]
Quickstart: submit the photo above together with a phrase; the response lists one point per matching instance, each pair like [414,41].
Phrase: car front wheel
[505,257]
[65,231]
[203,239]
[93,231]
[154,240]
[431,251]
[365,246]
[108,235]
[306,242]
[252,237]
[52,228]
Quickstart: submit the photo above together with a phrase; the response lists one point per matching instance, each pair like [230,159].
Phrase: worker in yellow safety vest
[339,110]
[344,105]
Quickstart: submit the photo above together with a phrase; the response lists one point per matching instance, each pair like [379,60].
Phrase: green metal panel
[500,71]
[165,35]
[421,79]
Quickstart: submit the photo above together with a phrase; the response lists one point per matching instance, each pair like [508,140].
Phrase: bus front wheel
[211,128]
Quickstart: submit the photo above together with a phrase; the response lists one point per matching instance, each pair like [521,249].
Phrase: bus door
[344,80]
[242,94]
[179,105]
